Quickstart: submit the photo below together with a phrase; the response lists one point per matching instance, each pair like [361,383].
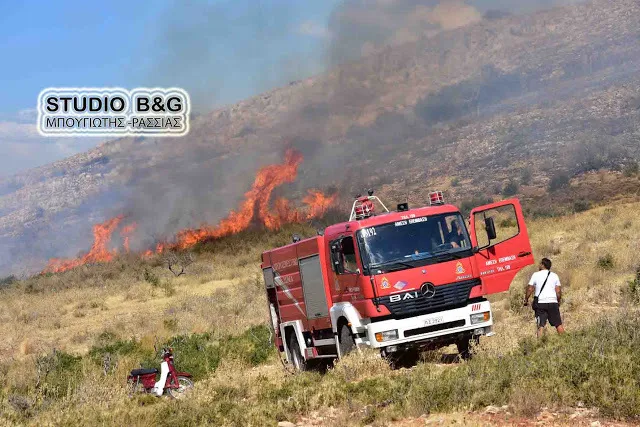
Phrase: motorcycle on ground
[173,383]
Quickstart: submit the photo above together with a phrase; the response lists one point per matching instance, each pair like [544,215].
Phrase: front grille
[433,328]
[447,296]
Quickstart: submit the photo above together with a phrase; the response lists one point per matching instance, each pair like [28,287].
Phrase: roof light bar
[436,198]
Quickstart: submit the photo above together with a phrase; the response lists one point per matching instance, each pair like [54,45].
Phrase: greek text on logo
[113,112]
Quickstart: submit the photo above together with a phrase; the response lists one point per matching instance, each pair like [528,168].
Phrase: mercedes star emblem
[428,290]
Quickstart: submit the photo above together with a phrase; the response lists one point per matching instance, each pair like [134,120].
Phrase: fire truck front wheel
[296,356]
[347,343]
[465,346]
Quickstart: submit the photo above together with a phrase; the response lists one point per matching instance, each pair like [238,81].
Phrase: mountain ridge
[503,95]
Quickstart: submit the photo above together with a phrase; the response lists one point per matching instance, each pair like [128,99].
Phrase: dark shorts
[550,312]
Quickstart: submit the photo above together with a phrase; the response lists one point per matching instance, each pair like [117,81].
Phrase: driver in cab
[456,237]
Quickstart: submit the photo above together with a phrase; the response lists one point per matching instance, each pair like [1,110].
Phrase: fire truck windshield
[413,242]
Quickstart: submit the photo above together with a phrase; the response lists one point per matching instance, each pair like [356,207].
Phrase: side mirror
[336,258]
[490,227]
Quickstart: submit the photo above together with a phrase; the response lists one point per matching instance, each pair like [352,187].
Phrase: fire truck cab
[398,281]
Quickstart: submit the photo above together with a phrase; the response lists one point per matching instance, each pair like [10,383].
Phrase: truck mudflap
[476,319]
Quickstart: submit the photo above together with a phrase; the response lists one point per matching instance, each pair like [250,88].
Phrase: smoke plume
[342,123]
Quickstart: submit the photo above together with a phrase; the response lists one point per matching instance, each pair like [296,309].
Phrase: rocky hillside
[518,105]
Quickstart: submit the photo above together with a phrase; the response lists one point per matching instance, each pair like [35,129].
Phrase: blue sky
[80,43]
[220,51]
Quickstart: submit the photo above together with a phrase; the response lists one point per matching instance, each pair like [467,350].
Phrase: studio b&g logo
[113,112]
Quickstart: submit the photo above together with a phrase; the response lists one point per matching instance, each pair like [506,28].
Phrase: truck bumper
[430,328]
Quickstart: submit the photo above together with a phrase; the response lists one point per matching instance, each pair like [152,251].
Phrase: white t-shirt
[549,292]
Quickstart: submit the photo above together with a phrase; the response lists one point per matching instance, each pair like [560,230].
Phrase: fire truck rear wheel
[296,356]
[347,343]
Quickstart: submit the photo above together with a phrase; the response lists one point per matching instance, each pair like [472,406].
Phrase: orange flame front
[254,208]
[99,251]
[126,232]
[256,199]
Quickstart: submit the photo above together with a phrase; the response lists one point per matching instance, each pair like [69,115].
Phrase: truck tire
[299,363]
[347,343]
[405,359]
[464,346]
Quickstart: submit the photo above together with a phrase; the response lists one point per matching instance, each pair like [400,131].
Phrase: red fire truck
[399,281]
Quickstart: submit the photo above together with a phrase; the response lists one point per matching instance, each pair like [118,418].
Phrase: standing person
[545,286]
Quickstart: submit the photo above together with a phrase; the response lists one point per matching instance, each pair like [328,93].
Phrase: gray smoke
[360,27]
[166,185]
[222,53]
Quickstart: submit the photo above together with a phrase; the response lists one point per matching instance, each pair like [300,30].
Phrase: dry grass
[222,294]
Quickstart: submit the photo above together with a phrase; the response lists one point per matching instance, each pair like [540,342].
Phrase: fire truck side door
[345,268]
[499,233]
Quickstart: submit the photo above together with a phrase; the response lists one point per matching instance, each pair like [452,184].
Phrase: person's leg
[541,321]
[555,318]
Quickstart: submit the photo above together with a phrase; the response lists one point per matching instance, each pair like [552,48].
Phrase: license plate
[433,321]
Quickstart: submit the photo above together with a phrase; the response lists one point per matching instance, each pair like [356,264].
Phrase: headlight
[480,317]
[387,335]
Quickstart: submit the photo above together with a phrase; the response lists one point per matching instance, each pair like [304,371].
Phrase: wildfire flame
[254,209]
[99,251]
[256,201]
[126,232]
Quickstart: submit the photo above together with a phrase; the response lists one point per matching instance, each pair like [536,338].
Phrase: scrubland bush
[59,374]
[631,169]
[633,288]
[516,296]
[606,262]
[558,181]
[510,188]
[8,280]
[581,206]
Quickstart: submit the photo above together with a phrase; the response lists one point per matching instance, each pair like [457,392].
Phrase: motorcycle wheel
[185,385]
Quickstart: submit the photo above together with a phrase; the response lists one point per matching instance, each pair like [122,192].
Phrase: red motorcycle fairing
[147,380]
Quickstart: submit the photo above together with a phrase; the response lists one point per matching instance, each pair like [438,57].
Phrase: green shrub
[253,346]
[558,181]
[117,348]
[59,374]
[151,278]
[606,262]
[516,296]
[631,169]
[581,206]
[9,280]
[633,288]
[510,188]
[508,222]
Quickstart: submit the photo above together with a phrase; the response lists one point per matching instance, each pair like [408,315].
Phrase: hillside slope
[521,98]
[70,339]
